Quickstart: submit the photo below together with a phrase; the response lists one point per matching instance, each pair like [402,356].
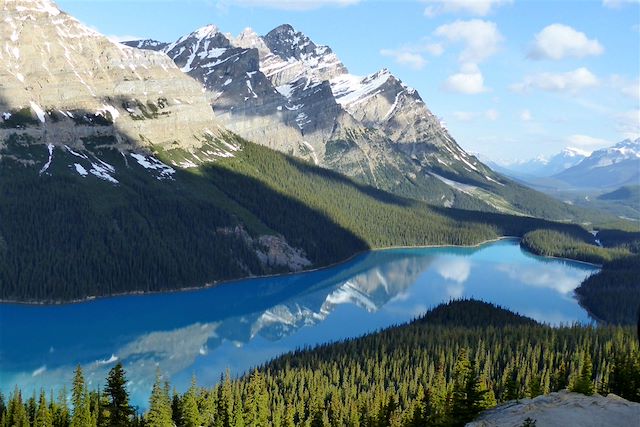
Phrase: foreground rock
[563,409]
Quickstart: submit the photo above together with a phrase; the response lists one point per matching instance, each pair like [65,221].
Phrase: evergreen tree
[32,408]
[584,382]
[560,379]
[120,412]
[176,408]
[189,408]
[511,389]
[624,379]
[81,415]
[3,407]
[257,404]
[43,417]
[238,415]
[159,414]
[60,412]
[535,386]
[16,411]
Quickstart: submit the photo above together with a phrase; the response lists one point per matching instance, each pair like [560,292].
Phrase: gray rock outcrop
[563,409]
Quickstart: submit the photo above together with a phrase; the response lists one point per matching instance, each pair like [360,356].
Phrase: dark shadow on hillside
[511,225]
[330,175]
[322,239]
[138,235]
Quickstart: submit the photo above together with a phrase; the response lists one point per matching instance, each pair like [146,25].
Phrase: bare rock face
[294,48]
[286,92]
[275,251]
[272,250]
[563,409]
[66,82]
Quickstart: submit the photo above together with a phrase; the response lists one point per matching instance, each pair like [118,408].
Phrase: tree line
[612,294]
[63,237]
[440,370]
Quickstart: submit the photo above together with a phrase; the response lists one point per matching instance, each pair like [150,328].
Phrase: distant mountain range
[543,166]
[574,169]
[607,168]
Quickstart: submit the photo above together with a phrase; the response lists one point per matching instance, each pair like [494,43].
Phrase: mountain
[542,166]
[606,168]
[63,83]
[288,93]
[117,176]
[629,194]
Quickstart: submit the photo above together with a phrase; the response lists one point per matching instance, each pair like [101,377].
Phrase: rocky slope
[284,91]
[65,85]
[563,409]
[97,116]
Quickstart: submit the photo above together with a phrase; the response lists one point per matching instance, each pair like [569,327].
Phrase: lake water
[239,325]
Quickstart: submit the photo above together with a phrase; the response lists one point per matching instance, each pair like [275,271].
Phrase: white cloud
[405,57]
[468,81]
[412,55]
[587,141]
[630,88]
[628,124]
[465,116]
[492,114]
[571,81]
[435,49]
[558,41]
[454,269]
[288,4]
[526,116]
[472,7]
[616,4]
[468,116]
[480,38]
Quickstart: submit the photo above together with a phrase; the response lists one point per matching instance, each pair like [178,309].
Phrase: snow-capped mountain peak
[248,38]
[349,89]
[624,150]
[293,47]
[289,93]
[609,167]
[575,152]
[206,31]
[632,146]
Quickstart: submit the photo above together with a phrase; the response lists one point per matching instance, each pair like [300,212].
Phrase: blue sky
[512,79]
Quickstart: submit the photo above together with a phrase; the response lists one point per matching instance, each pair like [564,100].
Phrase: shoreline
[266,276]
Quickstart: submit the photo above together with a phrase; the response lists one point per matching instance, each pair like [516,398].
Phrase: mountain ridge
[610,167]
[375,129]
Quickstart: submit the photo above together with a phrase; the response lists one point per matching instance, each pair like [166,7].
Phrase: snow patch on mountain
[149,162]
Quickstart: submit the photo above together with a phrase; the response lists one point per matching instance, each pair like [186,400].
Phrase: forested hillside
[611,295]
[203,225]
[439,370]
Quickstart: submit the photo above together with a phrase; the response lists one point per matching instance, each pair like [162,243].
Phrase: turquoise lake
[242,324]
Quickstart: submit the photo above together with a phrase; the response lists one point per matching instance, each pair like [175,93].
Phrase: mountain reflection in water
[240,325]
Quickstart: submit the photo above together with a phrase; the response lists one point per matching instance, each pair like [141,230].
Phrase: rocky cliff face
[61,83]
[75,104]
[284,91]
